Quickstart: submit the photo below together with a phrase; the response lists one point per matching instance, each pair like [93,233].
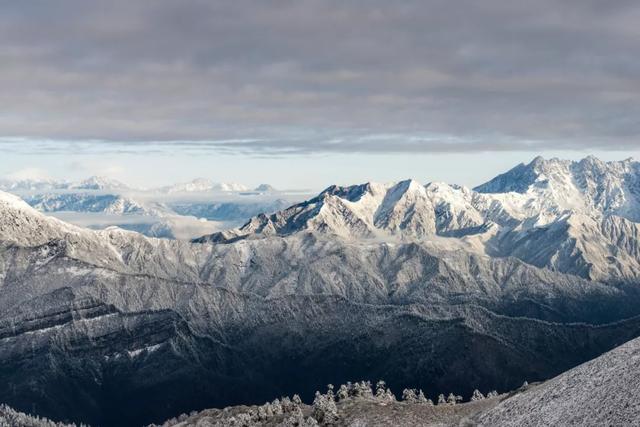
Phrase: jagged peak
[520,178]
[537,161]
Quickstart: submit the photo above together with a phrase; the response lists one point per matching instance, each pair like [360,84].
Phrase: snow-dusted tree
[268,409]
[243,420]
[324,409]
[296,399]
[525,384]
[409,395]
[381,388]
[287,404]
[343,392]
[262,413]
[295,419]
[309,422]
[362,389]
[12,418]
[477,395]
[423,399]
[390,396]
[491,394]
[330,393]
[441,399]
[209,422]
[276,407]
[253,413]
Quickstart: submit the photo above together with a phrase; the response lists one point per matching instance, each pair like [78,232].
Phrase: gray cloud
[278,77]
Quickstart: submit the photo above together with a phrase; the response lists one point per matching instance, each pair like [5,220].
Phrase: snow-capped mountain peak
[99,183]
[199,185]
[588,185]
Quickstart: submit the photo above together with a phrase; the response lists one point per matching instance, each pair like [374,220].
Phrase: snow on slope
[91,183]
[11,418]
[302,264]
[602,392]
[203,185]
[99,183]
[89,202]
[405,209]
[572,217]
[589,185]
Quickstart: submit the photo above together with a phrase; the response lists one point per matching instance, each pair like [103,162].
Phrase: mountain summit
[608,187]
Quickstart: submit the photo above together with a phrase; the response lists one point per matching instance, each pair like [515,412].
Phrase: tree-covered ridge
[327,409]
[12,418]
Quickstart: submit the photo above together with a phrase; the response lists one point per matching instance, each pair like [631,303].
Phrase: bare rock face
[438,287]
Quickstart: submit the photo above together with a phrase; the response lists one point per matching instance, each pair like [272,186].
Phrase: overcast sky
[312,92]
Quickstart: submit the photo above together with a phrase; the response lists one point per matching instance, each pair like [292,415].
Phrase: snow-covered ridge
[103,183]
[91,183]
[574,217]
[203,185]
[587,185]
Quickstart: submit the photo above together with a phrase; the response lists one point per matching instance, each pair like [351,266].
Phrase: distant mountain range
[431,286]
[104,183]
[178,211]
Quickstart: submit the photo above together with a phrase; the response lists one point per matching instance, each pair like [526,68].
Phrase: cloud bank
[280,77]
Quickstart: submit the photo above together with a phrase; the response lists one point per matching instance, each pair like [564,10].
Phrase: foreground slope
[602,392]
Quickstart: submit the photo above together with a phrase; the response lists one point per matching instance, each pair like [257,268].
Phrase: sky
[306,93]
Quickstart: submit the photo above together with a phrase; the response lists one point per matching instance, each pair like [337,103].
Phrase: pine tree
[409,395]
[390,396]
[477,395]
[451,399]
[330,393]
[423,399]
[324,409]
[343,392]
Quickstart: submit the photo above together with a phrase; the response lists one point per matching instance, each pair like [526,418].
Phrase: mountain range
[105,183]
[433,286]
[179,211]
